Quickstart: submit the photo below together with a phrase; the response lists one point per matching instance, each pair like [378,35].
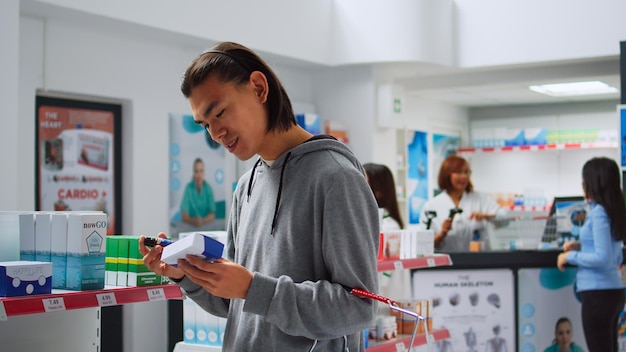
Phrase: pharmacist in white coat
[458,215]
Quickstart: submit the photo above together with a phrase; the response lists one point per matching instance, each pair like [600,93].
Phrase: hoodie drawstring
[280,190]
[252,178]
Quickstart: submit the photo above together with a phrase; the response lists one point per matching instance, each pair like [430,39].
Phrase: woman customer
[381,181]
[598,254]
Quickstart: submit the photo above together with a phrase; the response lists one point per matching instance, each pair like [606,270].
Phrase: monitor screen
[567,216]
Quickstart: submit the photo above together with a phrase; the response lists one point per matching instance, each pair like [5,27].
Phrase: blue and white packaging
[196,244]
[25,278]
[43,239]
[207,328]
[27,236]
[189,321]
[86,251]
[58,249]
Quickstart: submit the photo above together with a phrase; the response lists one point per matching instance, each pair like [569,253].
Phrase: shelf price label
[397,265]
[53,304]
[430,262]
[400,347]
[3,312]
[106,299]
[156,294]
[429,338]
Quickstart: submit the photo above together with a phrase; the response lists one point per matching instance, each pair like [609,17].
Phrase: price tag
[156,294]
[53,304]
[106,299]
[397,265]
[400,347]
[429,338]
[430,262]
[3,312]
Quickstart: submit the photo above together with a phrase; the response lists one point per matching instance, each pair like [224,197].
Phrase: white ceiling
[466,87]
[504,86]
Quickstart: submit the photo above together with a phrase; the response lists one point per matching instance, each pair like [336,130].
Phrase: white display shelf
[401,343]
[62,300]
[564,146]
[415,263]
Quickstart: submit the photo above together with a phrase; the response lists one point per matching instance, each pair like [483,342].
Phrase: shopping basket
[393,305]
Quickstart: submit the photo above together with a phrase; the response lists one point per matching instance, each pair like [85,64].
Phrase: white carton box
[194,244]
[27,236]
[58,249]
[43,239]
[86,250]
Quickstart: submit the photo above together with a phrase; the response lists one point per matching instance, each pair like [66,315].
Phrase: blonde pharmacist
[458,215]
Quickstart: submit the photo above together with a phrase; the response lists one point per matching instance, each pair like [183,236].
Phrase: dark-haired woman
[598,254]
[381,181]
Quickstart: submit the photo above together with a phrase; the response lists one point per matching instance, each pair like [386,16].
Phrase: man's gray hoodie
[307,227]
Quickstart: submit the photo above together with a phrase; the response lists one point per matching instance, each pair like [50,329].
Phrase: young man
[303,227]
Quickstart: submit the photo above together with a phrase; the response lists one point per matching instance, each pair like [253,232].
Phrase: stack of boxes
[71,251]
[200,327]
[406,244]
[70,245]
[390,323]
[124,264]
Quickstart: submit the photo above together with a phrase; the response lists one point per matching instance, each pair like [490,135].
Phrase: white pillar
[9,47]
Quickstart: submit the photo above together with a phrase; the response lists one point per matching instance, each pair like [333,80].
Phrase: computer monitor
[567,216]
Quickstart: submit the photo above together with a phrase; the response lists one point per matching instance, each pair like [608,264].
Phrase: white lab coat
[463,229]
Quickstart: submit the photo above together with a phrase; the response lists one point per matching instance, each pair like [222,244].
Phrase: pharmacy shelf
[61,300]
[415,263]
[401,343]
[542,208]
[188,347]
[564,146]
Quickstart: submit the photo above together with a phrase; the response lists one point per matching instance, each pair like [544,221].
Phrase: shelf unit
[554,146]
[61,300]
[401,343]
[415,263]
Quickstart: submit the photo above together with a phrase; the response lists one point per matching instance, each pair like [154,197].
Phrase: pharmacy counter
[514,297]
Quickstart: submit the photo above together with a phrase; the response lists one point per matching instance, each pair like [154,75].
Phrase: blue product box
[310,122]
[194,244]
[25,278]
[514,138]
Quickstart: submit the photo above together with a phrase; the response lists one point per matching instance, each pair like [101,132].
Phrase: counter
[514,296]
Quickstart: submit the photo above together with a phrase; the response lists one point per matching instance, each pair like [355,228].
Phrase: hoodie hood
[318,143]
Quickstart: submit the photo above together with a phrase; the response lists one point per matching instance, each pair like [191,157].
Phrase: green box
[110,262]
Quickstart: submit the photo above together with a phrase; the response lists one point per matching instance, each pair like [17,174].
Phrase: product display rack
[415,263]
[44,322]
[553,146]
[401,343]
[60,300]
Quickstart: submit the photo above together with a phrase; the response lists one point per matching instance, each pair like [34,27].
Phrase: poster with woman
[197,186]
